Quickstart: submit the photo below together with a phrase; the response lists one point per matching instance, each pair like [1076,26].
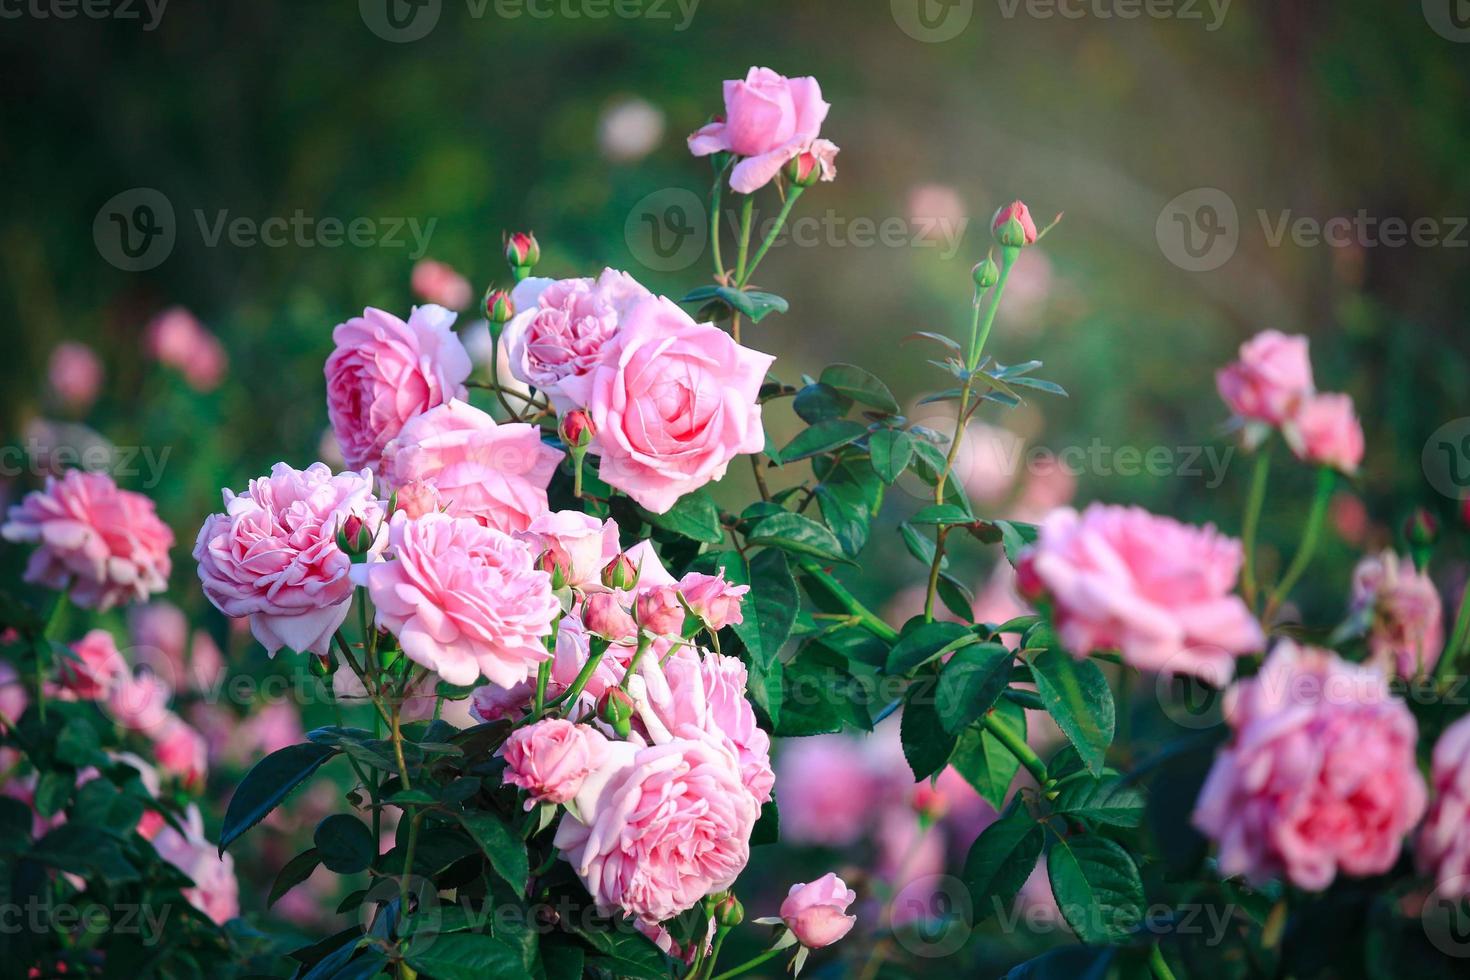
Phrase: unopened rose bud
[620,573]
[499,307]
[604,616]
[554,566]
[660,612]
[817,162]
[354,538]
[986,273]
[1013,226]
[729,913]
[929,803]
[323,665]
[1421,529]
[616,709]
[522,252]
[576,429]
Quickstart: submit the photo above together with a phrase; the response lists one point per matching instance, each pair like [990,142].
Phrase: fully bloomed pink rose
[1271,379]
[107,544]
[95,668]
[715,601]
[562,326]
[75,374]
[1442,847]
[550,759]
[417,498]
[769,120]
[578,543]
[1155,589]
[673,401]
[216,893]
[438,283]
[1405,616]
[1325,430]
[816,911]
[273,555]
[385,371]
[495,473]
[176,338]
[1320,776]
[660,827]
[463,599]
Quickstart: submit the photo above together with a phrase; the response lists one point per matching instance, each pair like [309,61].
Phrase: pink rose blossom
[181,752]
[273,555]
[579,544]
[659,828]
[98,667]
[438,283]
[206,664]
[14,697]
[769,120]
[417,498]
[715,601]
[1018,212]
[160,631]
[562,326]
[659,611]
[216,893]
[385,371]
[75,373]
[107,544]
[176,338]
[1325,430]
[827,791]
[1406,628]
[550,759]
[1271,379]
[463,599]
[496,473]
[673,401]
[821,157]
[1442,848]
[1320,776]
[266,729]
[816,911]
[604,614]
[139,702]
[1158,590]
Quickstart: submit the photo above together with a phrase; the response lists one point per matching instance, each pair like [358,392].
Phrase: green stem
[1325,479]
[1156,963]
[543,677]
[54,619]
[716,201]
[398,748]
[495,378]
[765,246]
[1008,256]
[413,843]
[865,616]
[571,694]
[1253,508]
[747,210]
[361,675]
[751,963]
[1453,649]
[940,533]
[644,642]
[1016,746]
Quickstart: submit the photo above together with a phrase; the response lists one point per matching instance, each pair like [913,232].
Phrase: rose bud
[604,616]
[816,162]
[555,566]
[550,759]
[815,912]
[323,665]
[522,252]
[660,612]
[354,538]
[499,307]
[576,429]
[616,709]
[620,573]
[1013,226]
[1421,529]
[986,273]
[729,913]
[1028,584]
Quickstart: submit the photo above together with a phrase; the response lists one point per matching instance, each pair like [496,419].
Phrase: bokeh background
[440,129]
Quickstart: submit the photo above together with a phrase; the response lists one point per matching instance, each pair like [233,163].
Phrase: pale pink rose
[769,120]
[1157,590]
[273,555]
[659,611]
[1320,776]
[75,373]
[176,338]
[206,671]
[139,702]
[491,702]
[107,544]
[463,599]
[714,600]
[438,283]
[385,371]
[98,667]
[266,729]
[672,401]
[1442,847]
[578,543]
[215,892]
[417,498]
[816,911]
[603,613]
[550,759]
[659,828]
[1049,485]
[1404,613]
[1349,516]
[562,326]
[496,473]
[161,628]
[989,461]
[826,791]
[1325,430]
[1271,379]
[911,858]
[689,696]
[181,752]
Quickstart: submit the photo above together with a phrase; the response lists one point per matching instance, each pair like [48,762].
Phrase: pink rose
[673,401]
[206,664]
[216,892]
[659,611]
[181,751]
[1405,618]
[827,791]
[1013,225]
[160,626]
[1272,378]
[463,599]
[715,601]
[267,729]
[769,120]
[659,828]
[75,373]
[1442,848]
[438,283]
[107,544]
[96,669]
[604,615]
[1158,590]
[1320,776]
[816,911]
[176,338]
[495,473]
[139,702]
[562,326]
[385,371]
[550,759]
[417,498]
[14,697]
[273,555]
[1325,430]
[579,544]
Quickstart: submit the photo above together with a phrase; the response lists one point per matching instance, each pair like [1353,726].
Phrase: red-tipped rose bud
[729,913]
[1013,226]
[353,537]
[499,308]
[522,252]
[816,162]
[616,708]
[576,429]
[620,573]
[323,665]
[555,566]
[929,803]
[1421,529]
[986,273]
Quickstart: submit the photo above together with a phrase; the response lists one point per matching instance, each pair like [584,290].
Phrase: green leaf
[694,516]
[850,496]
[344,844]
[985,763]
[82,849]
[1108,801]
[753,303]
[822,438]
[78,744]
[956,596]
[504,848]
[54,790]
[1000,861]
[861,386]
[1050,387]
[463,956]
[919,546]
[942,514]
[1076,695]
[938,338]
[297,870]
[623,953]
[926,745]
[891,450]
[970,683]
[792,532]
[769,609]
[820,403]
[267,784]
[1097,887]
[1017,537]
[816,695]
[923,642]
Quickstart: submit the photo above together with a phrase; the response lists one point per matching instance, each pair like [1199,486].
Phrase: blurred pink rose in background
[438,283]
[216,893]
[629,129]
[176,338]
[1270,380]
[1404,614]
[181,751]
[75,374]
[827,790]
[1325,430]
[937,213]
[1442,847]
[160,628]
[98,668]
